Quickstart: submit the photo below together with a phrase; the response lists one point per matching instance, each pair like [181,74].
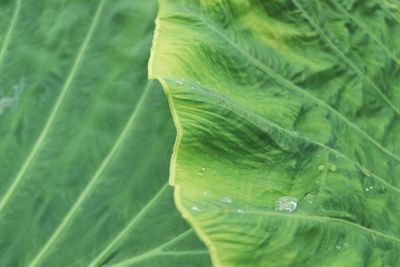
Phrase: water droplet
[332,168]
[180,82]
[6,102]
[195,209]
[338,246]
[321,167]
[203,169]
[226,200]
[366,172]
[200,173]
[286,204]
[309,198]
[240,211]
[367,189]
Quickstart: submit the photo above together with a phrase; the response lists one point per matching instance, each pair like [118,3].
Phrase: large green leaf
[85,140]
[288,121]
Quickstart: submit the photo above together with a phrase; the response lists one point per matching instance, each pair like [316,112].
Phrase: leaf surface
[85,140]
[287,112]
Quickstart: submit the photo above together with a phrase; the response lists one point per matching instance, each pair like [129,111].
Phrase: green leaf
[287,112]
[85,140]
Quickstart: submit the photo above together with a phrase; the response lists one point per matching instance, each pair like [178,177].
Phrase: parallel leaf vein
[53,114]
[131,224]
[10,30]
[93,181]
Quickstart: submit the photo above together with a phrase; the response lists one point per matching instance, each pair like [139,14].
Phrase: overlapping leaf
[275,99]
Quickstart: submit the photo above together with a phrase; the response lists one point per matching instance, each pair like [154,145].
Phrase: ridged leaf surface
[287,112]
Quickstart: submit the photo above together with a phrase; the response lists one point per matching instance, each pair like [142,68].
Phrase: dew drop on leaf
[195,209]
[366,172]
[206,193]
[286,204]
[226,200]
[321,167]
[332,168]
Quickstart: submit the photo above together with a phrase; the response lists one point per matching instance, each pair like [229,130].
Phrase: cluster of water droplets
[182,82]
[329,167]
[367,173]
[202,171]
[369,188]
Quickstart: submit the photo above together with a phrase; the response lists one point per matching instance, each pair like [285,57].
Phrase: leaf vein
[50,121]
[10,30]
[290,85]
[346,59]
[92,182]
[121,235]
[236,108]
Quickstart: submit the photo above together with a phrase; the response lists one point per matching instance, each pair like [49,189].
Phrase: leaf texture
[85,140]
[285,99]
